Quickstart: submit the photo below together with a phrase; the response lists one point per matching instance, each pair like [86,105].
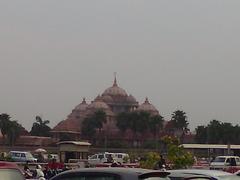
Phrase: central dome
[115,90]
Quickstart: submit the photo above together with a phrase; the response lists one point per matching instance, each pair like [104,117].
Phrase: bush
[149,160]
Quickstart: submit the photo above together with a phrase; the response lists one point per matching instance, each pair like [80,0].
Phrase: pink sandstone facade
[112,101]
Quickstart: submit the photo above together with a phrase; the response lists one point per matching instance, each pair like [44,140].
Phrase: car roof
[19,151]
[207,172]
[227,157]
[120,171]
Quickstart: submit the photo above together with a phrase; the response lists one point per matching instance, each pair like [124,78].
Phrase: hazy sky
[180,54]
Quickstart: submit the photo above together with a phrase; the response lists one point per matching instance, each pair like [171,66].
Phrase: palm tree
[14,132]
[180,122]
[88,128]
[93,122]
[5,125]
[100,118]
[40,127]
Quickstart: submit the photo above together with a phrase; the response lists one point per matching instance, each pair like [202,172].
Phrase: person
[27,172]
[39,173]
[110,158]
[161,163]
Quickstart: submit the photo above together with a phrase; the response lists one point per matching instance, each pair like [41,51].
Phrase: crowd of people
[49,170]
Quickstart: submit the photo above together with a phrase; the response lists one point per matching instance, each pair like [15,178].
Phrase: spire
[115,79]
[84,101]
[146,101]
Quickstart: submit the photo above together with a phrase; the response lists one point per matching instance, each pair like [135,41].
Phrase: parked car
[22,156]
[112,174]
[121,157]
[213,174]
[222,162]
[100,158]
[10,171]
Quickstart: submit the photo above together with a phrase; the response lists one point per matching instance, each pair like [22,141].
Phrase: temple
[112,101]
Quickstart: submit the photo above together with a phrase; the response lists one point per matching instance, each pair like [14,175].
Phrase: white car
[121,157]
[221,162]
[22,156]
[100,158]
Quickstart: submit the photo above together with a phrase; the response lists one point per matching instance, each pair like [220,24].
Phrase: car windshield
[219,159]
[29,155]
[11,174]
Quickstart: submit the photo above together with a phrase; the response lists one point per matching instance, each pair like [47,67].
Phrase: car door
[23,157]
[237,161]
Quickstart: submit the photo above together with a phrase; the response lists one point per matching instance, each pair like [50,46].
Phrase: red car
[10,171]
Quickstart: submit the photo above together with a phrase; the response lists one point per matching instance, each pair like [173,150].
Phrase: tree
[88,128]
[156,124]
[180,122]
[176,154]
[93,122]
[99,118]
[143,121]
[123,122]
[201,134]
[40,127]
[14,132]
[213,133]
[5,125]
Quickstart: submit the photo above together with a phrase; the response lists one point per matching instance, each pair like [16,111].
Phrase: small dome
[98,104]
[115,90]
[148,107]
[131,99]
[107,99]
[82,106]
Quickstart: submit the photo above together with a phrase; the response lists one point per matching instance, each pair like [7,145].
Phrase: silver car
[212,174]
[112,174]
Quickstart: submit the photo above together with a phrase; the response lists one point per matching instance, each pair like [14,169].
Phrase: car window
[23,155]
[100,156]
[219,159]
[29,155]
[10,174]
[119,156]
[93,157]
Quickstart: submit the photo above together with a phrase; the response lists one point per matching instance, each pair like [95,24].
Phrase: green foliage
[217,132]
[155,124]
[149,160]
[122,121]
[40,127]
[180,122]
[14,132]
[170,140]
[179,157]
[139,122]
[176,153]
[5,124]
[93,122]
[9,128]
[133,156]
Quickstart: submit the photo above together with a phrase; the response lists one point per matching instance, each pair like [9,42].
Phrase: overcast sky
[180,54]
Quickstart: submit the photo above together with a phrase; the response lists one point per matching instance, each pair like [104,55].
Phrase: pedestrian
[161,163]
[39,173]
